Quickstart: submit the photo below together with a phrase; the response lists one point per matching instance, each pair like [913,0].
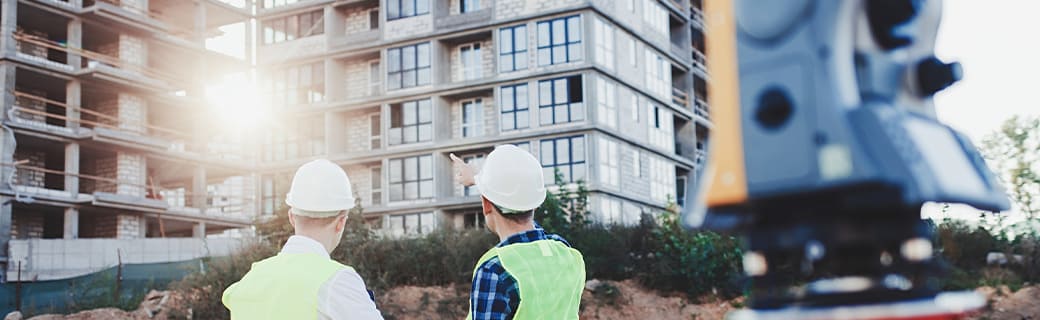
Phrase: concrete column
[72,169]
[199,230]
[71,223]
[8,25]
[198,188]
[5,226]
[7,143]
[75,41]
[73,102]
[249,40]
[199,34]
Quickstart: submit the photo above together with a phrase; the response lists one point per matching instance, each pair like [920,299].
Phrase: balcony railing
[699,60]
[697,17]
[91,58]
[701,108]
[680,97]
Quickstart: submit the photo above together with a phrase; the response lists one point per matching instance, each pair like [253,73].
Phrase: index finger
[455,158]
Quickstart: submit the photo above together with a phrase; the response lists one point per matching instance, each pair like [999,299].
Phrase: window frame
[472,61]
[513,55]
[548,49]
[376,184]
[403,181]
[402,72]
[416,9]
[556,162]
[475,122]
[514,110]
[419,124]
[575,111]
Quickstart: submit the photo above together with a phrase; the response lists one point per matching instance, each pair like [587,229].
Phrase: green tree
[566,209]
[1013,152]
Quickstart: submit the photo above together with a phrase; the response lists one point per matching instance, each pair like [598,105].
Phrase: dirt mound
[1004,305]
[601,300]
[154,306]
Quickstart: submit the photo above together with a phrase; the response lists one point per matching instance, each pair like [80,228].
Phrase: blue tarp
[98,289]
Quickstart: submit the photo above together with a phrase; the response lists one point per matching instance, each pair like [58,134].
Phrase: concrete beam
[72,169]
[199,34]
[71,223]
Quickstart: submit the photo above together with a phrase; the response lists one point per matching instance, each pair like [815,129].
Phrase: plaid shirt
[495,294]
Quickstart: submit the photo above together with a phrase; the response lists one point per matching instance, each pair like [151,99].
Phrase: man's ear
[341,222]
[486,206]
[292,220]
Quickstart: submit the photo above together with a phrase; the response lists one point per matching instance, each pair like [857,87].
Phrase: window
[411,178]
[469,6]
[411,224]
[473,220]
[408,66]
[559,41]
[634,104]
[607,102]
[296,85]
[375,125]
[658,74]
[637,163]
[604,44]
[512,45]
[680,191]
[478,162]
[662,180]
[373,19]
[298,138]
[374,81]
[473,118]
[523,145]
[515,113]
[397,9]
[660,123]
[472,64]
[656,16]
[633,53]
[560,100]
[566,155]
[609,168]
[293,27]
[611,211]
[411,122]
[377,185]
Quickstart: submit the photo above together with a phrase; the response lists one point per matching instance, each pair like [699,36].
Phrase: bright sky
[996,42]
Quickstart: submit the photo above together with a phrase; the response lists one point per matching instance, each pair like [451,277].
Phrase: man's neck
[508,228]
[325,243]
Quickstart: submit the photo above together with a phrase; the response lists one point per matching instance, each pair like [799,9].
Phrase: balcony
[701,109]
[680,98]
[697,17]
[462,20]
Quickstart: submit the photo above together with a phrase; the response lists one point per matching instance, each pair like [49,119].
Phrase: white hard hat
[320,187]
[512,179]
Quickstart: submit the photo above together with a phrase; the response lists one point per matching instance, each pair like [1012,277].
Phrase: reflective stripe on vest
[281,287]
[550,276]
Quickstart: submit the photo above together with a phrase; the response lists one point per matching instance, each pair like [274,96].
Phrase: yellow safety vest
[281,287]
[550,276]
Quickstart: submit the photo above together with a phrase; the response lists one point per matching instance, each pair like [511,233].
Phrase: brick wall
[127,168]
[487,56]
[29,48]
[26,225]
[131,51]
[505,9]
[408,27]
[32,104]
[361,178]
[27,177]
[357,79]
[356,20]
[98,226]
[129,226]
[126,112]
[359,131]
[490,116]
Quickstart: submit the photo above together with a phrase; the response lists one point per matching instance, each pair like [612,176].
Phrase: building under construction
[103,154]
[611,92]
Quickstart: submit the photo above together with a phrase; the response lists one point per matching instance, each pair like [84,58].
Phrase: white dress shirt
[344,295]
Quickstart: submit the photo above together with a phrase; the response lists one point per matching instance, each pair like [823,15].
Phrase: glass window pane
[424,55]
[408,53]
[407,8]
[544,56]
[505,40]
[543,34]
[424,76]
[545,116]
[422,6]
[559,54]
[579,172]
[425,132]
[411,166]
[560,91]
[411,190]
[425,111]
[578,149]
[395,170]
[393,57]
[426,167]
[547,153]
[507,121]
[577,111]
[521,96]
[549,175]
[563,151]
[545,93]
[575,53]
[426,189]
[523,119]
[521,38]
[409,79]
[396,192]
[559,35]
[409,114]
[574,29]
[560,112]
[520,61]
[507,98]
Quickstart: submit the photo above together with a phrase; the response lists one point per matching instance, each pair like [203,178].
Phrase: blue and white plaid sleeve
[495,294]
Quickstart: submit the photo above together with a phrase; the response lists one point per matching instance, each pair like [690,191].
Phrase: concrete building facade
[100,147]
[609,92]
